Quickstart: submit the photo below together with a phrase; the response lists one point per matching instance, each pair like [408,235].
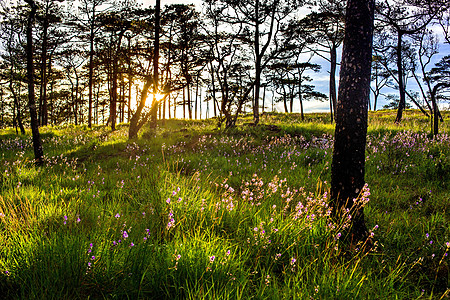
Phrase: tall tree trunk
[264,98]
[184,103]
[284,99]
[291,96]
[300,95]
[113,105]
[77,87]
[189,100]
[130,83]
[114,75]
[196,97]
[122,113]
[401,84]
[43,114]
[333,64]
[154,108]
[14,118]
[258,70]
[213,85]
[52,82]
[175,108]
[200,103]
[435,115]
[347,170]
[16,100]
[37,146]
[2,108]
[91,67]
[136,121]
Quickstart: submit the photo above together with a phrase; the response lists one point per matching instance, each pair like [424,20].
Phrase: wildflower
[266,280]
[293,260]
[117,216]
[168,201]
[125,234]
[131,244]
[78,220]
[212,258]
[93,257]
[171,223]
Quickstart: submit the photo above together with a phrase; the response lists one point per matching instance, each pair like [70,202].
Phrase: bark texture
[37,146]
[347,172]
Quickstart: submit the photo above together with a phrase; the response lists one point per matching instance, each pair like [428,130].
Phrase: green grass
[189,211]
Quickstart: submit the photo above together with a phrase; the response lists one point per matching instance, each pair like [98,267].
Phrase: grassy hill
[189,211]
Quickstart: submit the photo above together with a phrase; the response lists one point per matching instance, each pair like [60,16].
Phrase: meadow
[189,211]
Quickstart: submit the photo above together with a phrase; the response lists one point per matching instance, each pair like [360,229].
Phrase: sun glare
[159,96]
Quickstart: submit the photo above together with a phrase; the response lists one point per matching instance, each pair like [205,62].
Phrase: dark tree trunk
[401,84]
[154,108]
[196,98]
[284,99]
[184,103]
[77,87]
[333,100]
[43,114]
[347,170]
[16,105]
[114,75]
[136,121]
[37,146]
[91,67]
[189,100]
[113,105]
[213,85]
[264,98]
[300,95]
[435,116]
[2,108]
[50,98]
[258,68]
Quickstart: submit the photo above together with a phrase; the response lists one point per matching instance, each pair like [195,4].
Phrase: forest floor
[189,211]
